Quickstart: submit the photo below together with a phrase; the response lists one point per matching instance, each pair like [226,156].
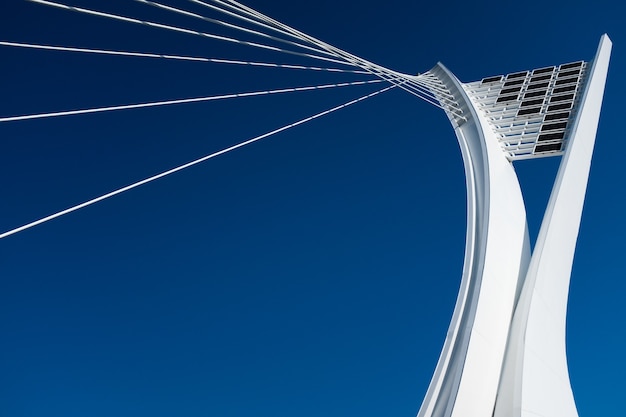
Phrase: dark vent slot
[526,112]
[537,86]
[572,65]
[568,73]
[510,90]
[561,98]
[557,116]
[531,102]
[564,106]
[548,148]
[517,75]
[538,93]
[553,126]
[513,82]
[564,89]
[491,79]
[551,136]
[543,70]
[540,78]
[506,98]
[567,81]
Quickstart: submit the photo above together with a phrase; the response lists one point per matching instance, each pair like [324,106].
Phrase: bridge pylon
[504,354]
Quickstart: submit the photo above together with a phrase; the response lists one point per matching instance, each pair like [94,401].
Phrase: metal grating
[531,111]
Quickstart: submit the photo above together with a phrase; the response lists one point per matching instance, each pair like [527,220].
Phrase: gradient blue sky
[311,274]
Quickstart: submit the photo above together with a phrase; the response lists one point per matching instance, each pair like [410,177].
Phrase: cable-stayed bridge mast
[504,354]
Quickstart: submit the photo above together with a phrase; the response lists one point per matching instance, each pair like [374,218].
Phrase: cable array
[267,34]
[180,101]
[416,85]
[176,57]
[419,86]
[190,164]
[172,28]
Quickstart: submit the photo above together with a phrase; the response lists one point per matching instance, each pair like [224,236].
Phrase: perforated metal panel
[531,111]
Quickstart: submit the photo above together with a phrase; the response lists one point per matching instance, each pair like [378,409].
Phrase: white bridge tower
[504,354]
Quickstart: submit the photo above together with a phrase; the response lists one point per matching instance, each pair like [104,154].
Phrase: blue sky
[313,273]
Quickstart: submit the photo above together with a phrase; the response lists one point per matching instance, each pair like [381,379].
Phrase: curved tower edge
[467,375]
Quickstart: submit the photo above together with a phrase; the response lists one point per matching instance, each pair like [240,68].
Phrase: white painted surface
[467,375]
[494,363]
[536,379]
